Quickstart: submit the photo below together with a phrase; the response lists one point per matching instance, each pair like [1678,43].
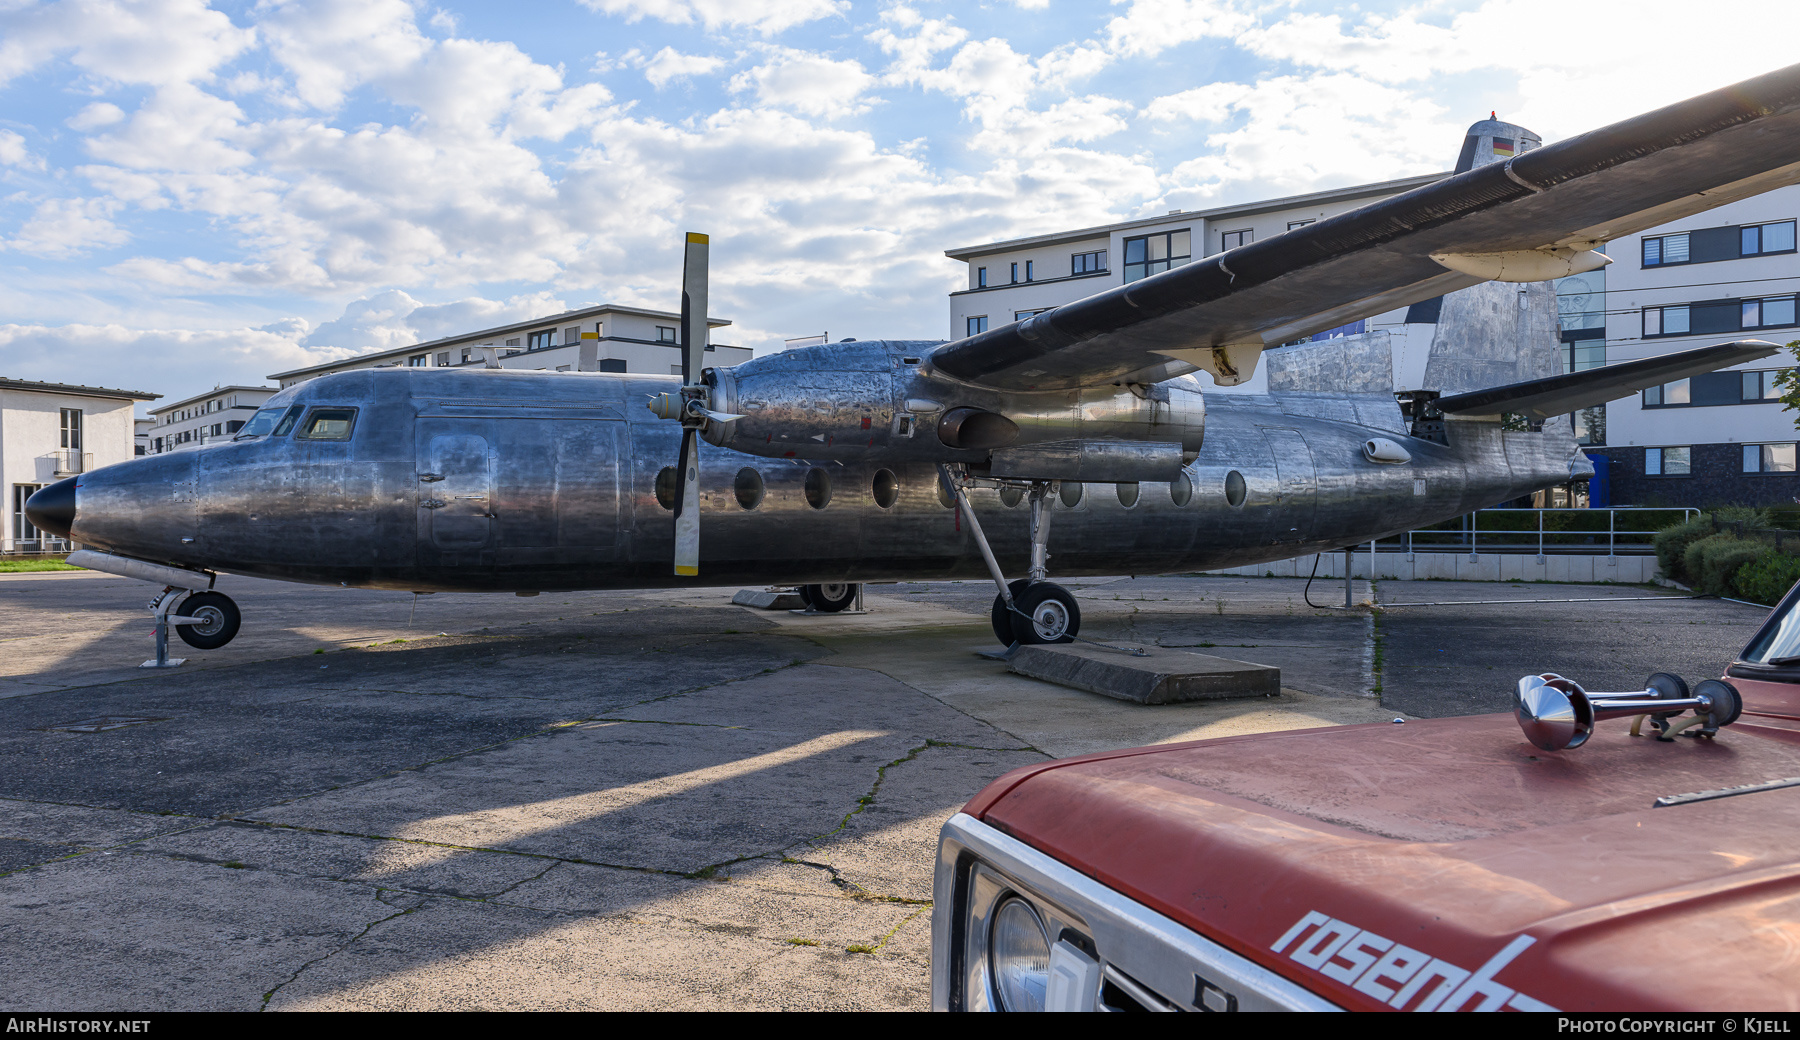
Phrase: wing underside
[1557,201]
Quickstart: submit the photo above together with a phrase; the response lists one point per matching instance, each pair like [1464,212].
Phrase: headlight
[1021,954]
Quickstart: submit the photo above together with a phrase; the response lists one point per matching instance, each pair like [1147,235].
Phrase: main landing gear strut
[1029,610]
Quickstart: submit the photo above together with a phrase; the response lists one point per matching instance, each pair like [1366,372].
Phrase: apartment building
[1730,273]
[628,340]
[49,431]
[215,415]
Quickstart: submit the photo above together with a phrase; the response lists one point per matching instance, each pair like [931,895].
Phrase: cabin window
[666,481]
[1071,493]
[748,487]
[886,488]
[1181,490]
[329,424]
[818,488]
[1128,493]
[1234,488]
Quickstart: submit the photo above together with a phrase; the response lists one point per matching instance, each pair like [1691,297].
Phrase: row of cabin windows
[748,489]
[1709,245]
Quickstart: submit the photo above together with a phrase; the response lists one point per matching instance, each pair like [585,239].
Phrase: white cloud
[763,16]
[169,361]
[395,319]
[1150,27]
[98,114]
[65,228]
[669,64]
[14,153]
[333,46]
[808,83]
[150,41]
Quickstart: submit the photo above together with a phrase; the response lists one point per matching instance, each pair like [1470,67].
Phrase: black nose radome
[52,508]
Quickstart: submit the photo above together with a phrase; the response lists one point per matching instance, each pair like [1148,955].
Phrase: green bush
[1745,515]
[1711,563]
[1768,578]
[1672,542]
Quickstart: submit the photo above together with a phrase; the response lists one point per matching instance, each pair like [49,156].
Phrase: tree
[1788,382]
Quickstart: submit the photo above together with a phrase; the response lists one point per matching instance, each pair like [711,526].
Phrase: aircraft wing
[1528,219]
[1573,391]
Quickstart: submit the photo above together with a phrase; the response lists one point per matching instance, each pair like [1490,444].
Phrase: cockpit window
[265,420]
[1779,641]
[329,424]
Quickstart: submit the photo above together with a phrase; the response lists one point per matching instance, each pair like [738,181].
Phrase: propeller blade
[687,506]
[693,308]
[721,417]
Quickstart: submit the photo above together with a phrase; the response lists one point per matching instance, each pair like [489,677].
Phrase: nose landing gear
[1030,610]
[207,621]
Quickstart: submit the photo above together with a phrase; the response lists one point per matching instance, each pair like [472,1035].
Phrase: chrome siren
[1557,714]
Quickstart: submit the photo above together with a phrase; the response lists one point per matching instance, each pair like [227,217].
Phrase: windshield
[1779,641]
[264,421]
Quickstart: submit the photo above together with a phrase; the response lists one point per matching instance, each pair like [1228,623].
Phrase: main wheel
[219,624]
[1051,615]
[830,598]
[1003,618]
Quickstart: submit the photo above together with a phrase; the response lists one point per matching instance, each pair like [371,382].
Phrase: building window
[1760,239]
[1768,458]
[977,324]
[537,340]
[1029,276]
[981,278]
[1233,239]
[1720,316]
[418,361]
[1087,263]
[71,428]
[1153,254]
[443,359]
[665,334]
[1760,386]
[467,353]
[1707,245]
[612,364]
[1666,394]
[1292,224]
[1015,274]
[23,531]
[1666,462]
[572,334]
[1022,315]
[1665,321]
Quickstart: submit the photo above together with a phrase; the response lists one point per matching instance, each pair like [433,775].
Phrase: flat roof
[215,391]
[501,330]
[70,388]
[1241,210]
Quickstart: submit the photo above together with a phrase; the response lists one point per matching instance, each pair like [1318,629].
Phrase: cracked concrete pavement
[637,800]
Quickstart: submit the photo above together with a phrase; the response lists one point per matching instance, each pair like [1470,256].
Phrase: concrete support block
[769,599]
[1162,676]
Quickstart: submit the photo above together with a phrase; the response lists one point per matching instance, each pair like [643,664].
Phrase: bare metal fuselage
[503,480]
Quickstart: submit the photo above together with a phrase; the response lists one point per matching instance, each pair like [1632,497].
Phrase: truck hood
[1384,866]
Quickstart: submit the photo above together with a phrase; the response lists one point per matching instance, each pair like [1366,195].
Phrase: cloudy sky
[193,193]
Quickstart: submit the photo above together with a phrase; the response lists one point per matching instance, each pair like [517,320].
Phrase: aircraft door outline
[1296,485]
[455,488]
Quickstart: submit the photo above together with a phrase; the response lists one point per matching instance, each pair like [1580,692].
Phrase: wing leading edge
[1554,202]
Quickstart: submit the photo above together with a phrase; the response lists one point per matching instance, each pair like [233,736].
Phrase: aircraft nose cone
[52,508]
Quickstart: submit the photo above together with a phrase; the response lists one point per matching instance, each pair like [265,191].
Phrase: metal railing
[1543,532]
[70,461]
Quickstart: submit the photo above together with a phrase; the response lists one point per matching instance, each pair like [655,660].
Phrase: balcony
[68,462]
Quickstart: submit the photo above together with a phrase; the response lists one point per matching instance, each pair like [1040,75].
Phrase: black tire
[1051,615]
[220,627]
[1001,617]
[806,596]
[829,599]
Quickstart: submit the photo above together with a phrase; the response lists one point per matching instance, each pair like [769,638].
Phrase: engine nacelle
[854,401]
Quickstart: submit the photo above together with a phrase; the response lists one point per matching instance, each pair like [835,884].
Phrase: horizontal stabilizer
[1559,395]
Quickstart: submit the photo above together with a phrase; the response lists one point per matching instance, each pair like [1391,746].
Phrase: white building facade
[49,431]
[625,339]
[215,415]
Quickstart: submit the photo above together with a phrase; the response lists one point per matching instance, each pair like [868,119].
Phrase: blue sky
[193,194]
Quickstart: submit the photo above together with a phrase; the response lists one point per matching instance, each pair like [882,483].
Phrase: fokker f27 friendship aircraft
[886,460]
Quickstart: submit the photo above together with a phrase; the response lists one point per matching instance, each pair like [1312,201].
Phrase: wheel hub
[1051,620]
